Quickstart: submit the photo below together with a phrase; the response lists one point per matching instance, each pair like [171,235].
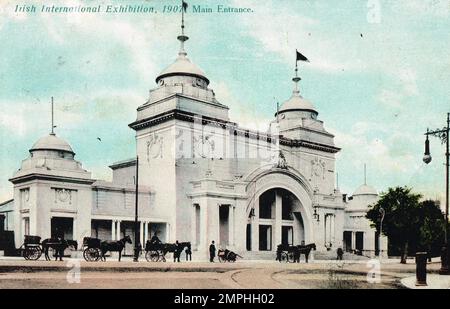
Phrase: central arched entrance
[279,219]
[279,210]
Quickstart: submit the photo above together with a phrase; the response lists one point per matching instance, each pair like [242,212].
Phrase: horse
[114,246]
[175,249]
[305,250]
[59,245]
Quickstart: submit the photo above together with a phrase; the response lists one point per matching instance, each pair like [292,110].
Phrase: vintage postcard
[224,144]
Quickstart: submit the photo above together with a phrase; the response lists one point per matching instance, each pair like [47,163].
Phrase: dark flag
[184,5]
[300,57]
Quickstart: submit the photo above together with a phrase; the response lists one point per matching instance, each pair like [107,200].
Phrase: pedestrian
[212,252]
[340,253]
[188,253]
[176,252]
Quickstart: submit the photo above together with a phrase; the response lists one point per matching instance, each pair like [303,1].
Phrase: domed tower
[297,118]
[51,192]
[181,87]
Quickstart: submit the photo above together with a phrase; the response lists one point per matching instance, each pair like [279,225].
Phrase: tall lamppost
[380,249]
[136,223]
[443,135]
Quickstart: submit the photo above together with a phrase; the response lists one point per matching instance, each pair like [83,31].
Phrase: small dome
[182,66]
[52,142]
[365,190]
[297,103]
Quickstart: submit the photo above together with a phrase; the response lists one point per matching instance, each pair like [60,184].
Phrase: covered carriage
[31,248]
[91,249]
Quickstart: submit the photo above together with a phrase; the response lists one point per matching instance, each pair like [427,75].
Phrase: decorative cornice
[231,126]
[30,177]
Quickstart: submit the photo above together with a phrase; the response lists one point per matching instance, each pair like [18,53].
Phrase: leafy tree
[431,228]
[401,222]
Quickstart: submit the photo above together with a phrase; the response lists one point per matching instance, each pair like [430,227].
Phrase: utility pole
[136,223]
[443,135]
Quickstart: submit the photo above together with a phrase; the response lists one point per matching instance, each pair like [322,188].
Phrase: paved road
[41,274]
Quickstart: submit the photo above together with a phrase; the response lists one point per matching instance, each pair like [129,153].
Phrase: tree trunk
[404,253]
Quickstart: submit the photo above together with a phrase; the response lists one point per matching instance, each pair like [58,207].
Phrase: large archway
[280,211]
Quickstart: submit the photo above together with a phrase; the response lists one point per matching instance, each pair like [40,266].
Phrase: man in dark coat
[177,252]
[155,240]
[340,253]
[212,252]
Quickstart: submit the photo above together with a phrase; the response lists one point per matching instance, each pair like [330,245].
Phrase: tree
[401,220]
[432,227]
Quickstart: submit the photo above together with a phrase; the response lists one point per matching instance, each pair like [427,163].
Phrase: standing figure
[177,252]
[155,240]
[340,254]
[188,253]
[212,252]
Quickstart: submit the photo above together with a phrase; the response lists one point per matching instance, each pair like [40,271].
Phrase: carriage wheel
[231,257]
[32,253]
[291,257]
[284,257]
[152,256]
[91,254]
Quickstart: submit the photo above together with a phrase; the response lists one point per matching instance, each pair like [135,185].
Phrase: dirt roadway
[14,274]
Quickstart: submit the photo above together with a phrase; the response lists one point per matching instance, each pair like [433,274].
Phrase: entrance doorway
[359,242]
[224,225]
[265,238]
[62,227]
[287,235]
[347,241]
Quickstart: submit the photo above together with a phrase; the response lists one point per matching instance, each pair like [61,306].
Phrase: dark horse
[59,245]
[295,251]
[305,250]
[172,248]
[114,246]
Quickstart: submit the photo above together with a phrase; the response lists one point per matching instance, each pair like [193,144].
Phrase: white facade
[201,177]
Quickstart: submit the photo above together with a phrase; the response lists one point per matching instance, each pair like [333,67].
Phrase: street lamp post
[136,223]
[380,249]
[443,135]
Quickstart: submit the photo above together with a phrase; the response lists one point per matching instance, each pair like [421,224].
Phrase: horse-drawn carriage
[291,254]
[156,252]
[91,249]
[31,248]
[227,256]
[94,249]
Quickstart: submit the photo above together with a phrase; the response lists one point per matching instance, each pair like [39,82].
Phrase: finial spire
[365,174]
[53,124]
[297,79]
[183,38]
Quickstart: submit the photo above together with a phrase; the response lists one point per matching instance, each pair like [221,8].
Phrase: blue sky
[377,92]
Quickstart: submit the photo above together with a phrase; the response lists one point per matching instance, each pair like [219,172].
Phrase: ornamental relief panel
[155,145]
[64,198]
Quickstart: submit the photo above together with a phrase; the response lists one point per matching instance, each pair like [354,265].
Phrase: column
[231,226]
[203,226]
[118,236]
[145,233]
[332,231]
[353,240]
[74,229]
[255,226]
[141,234]
[194,240]
[278,220]
[113,229]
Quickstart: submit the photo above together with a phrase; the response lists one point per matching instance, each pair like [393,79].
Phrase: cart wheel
[284,257]
[91,254]
[152,256]
[231,257]
[32,253]
[291,257]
